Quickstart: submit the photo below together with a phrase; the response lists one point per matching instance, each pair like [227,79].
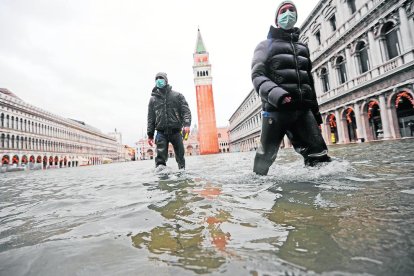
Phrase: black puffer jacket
[168,111]
[282,67]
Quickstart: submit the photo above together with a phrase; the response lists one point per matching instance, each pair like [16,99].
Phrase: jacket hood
[279,33]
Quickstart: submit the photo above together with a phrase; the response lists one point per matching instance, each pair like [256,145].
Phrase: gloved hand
[151,141]
[185,133]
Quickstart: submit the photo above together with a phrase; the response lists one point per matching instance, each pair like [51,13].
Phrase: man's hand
[286,100]
[151,141]
[186,132]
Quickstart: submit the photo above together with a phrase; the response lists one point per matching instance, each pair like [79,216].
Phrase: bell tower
[207,129]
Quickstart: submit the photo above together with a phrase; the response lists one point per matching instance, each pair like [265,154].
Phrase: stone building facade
[32,138]
[363,66]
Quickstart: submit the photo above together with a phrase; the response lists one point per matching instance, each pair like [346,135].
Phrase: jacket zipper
[166,110]
[297,69]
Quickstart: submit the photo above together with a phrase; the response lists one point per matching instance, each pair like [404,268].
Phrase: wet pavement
[354,216]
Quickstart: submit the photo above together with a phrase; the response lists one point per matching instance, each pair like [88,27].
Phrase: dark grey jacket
[282,67]
[168,111]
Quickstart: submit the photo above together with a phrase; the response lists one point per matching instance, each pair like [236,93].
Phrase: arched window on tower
[341,68]
[392,45]
[207,73]
[362,57]
[325,80]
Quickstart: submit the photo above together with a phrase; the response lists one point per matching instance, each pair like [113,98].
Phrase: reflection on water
[354,215]
[183,235]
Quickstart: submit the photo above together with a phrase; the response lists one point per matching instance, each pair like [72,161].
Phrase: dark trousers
[162,140]
[301,129]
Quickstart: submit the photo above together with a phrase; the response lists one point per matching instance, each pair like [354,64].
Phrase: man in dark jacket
[281,75]
[170,116]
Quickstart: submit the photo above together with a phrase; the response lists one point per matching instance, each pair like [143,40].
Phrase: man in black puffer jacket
[281,74]
[170,116]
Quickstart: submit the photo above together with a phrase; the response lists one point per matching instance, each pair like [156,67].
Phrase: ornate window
[318,37]
[325,80]
[389,31]
[362,57]
[341,68]
[351,5]
[332,22]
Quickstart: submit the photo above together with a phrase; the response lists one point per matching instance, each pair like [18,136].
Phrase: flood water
[354,216]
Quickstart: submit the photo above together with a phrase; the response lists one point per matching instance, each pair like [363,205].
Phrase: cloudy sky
[95,60]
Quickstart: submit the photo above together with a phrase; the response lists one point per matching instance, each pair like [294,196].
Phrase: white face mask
[287,20]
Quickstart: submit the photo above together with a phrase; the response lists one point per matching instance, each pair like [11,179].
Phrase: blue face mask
[160,83]
[287,20]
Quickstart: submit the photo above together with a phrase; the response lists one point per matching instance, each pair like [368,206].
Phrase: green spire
[200,48]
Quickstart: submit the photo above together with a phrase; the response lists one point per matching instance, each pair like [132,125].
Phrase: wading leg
[307,139]
[270,139]
[162,149]
[177,142]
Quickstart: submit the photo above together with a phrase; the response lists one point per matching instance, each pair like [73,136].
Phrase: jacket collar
[279,33]
[161,92]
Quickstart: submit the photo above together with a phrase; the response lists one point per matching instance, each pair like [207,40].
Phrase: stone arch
[331,128]
[401,107]
[372,119]
[15,159]
[350,128]
[24,159]
[5,160]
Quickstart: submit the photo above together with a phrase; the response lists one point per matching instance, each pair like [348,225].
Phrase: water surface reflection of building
[363,59]
[37,139]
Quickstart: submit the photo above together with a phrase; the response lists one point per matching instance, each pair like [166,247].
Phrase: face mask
[160,83]
[287,20]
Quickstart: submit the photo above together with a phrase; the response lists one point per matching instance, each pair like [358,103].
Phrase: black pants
[302,131]
[162,140]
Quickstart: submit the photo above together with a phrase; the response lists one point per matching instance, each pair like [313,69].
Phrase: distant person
[170,116]
[281,75]
[411,125]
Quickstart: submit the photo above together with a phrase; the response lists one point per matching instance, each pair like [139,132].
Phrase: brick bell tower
[207,129]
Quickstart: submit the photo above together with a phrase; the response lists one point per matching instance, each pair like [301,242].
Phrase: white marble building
[37,139]
[363,59]
[363,65]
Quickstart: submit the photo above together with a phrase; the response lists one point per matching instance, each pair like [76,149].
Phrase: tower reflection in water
[190,236]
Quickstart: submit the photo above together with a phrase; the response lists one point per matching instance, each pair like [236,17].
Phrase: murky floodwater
[353,216]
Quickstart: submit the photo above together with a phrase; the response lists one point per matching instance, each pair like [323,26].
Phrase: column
[406,35]
[375,54]
[332,74]
[317,82]
[360,131]
[339,127]
[384,117]
[351,63]
[324,130]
